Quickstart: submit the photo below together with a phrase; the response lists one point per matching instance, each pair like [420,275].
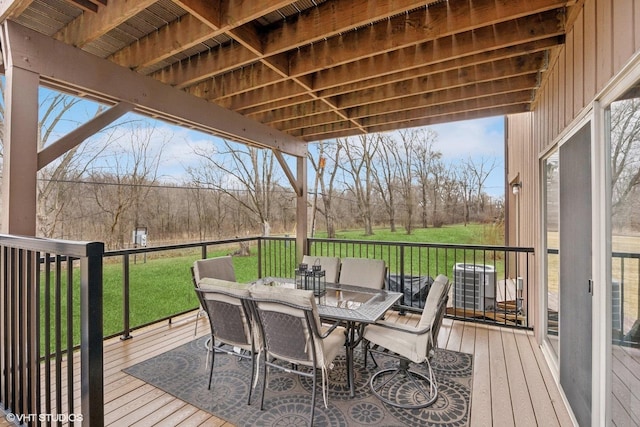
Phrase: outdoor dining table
[354,306]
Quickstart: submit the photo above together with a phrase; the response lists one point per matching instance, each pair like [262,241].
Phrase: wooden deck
[512,385]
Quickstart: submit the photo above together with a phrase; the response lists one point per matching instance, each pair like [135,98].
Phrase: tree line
[110,185]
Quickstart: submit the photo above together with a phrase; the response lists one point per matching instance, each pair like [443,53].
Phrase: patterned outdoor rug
[182,373]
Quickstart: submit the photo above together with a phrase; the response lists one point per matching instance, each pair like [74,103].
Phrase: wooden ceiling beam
[478,90]
[429,99]
[279,91]
[493,103]
[87,5]
[397,33]
[86,73]
[494,69]
[205,19]
[494,42]
[182,74]
[237,81]
[467,115]
[449,79]
[331,18]
[400,31]
[439,67]
[209,12]
[302,122]
[307,108]
[162,44]
[279,104]
[448,52]
[90,26]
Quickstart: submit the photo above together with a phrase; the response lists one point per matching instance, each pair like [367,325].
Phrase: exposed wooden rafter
[329,68]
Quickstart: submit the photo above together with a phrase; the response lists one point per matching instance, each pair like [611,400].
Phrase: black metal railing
[411,266]
[51,298]
[490,283]
[625,298]
[185,254]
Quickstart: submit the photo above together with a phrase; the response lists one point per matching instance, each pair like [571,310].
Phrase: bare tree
[249,177]
[132,167]
[359,154]
[385,176]
[428,167]
[466,180]
[480,169]
[625,150]
[55,184]
[331,155]
[211,210]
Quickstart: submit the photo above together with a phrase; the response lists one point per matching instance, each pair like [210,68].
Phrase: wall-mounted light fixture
[515,188]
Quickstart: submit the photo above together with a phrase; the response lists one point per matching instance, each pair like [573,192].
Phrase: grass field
[160,285]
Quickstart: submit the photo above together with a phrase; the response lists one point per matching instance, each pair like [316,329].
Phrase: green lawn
[480,234]
[161,286]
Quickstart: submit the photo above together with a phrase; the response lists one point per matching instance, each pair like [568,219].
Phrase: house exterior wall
[601,39]
[602,44]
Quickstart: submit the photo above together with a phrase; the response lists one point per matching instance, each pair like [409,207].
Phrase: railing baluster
[47,332]
[70,390]
[126,302]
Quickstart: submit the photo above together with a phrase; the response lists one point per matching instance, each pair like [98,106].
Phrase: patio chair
[330,265]
[409,344]
[216,268]
[291,332]
[363,272]
[229,313]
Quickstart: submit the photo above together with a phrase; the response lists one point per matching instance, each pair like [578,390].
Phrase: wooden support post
[20,157]
[301,209]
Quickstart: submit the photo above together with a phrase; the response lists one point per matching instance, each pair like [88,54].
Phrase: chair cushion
[438,288]
[405,343]
[240,290]
[330,265]
[299,297]
[329,346]
[219,268]
[405,340]
[363,272]
[332,344]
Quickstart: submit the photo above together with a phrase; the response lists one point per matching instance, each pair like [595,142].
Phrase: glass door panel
[552,188]
[624,185]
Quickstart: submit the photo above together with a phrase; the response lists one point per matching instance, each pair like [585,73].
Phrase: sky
[457,141]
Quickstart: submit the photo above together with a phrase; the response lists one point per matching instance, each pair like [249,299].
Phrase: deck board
[511,383]
[481,414]
[501,404]
[521,402]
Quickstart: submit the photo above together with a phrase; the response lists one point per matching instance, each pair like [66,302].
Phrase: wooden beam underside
[70,67]
[336,67]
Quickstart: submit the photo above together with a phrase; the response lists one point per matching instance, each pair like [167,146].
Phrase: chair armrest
[402,328]
[328,331]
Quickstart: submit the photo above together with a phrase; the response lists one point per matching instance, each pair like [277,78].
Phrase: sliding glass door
[623,132]
[575,273]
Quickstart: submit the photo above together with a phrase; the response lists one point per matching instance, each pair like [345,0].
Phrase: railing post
[126,333]
[92,367]
[259,257]
[402,310]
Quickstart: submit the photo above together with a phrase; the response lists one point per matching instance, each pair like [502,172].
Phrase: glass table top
[346,302]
